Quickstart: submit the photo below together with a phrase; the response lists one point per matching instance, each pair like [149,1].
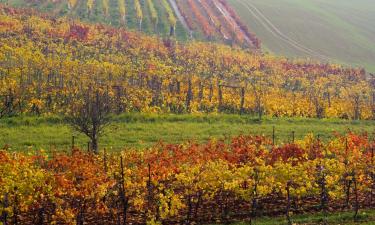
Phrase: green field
[144,130]
[336,30]
[366,217]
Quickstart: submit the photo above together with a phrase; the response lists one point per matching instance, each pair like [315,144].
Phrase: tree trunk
[242,100]
[15,209]
[357,113]
[124,199]
[220,95]
[178,87]
[4,216]
[323,196]
[94,144]
[348,184]
[211,92]
[329,99]
[189,211]
[356,205]
[189,96]
[172,31]
[287,212]
[259,107]
[41,216]
[197,205]
[201,89]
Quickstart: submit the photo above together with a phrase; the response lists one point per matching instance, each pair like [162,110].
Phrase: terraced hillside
[335,30]
[202,19]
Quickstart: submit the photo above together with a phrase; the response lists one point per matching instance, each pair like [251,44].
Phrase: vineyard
[205,20]
[214,103]
[219,181]
[47,66]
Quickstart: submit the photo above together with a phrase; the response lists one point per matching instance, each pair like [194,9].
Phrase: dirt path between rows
[232,21]
[179,15]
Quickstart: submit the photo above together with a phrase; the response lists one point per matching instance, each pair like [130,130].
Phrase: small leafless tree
[89,114]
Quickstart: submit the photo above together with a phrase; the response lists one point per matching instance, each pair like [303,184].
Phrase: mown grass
[365,217]
[339,29]
[144,130]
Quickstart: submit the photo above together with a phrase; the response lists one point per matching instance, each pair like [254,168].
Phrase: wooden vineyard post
[242,110]
[149,188]
[189,96]
[372,175]
[293,136]
[348,182]
[88,146]
[200,92]
[356,204]
[187,219]
[73,142]
[105,160]
[4,216]
[124,200]
[273,135]
[287,212]
[220,95]
[172,31]
[178,87]
[149,193]
[211,93]
[323,192]
[15,208]
[254,204]
[41,216]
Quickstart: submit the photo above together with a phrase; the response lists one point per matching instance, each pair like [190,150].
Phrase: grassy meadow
[337,30]
[145,130]
[366,217]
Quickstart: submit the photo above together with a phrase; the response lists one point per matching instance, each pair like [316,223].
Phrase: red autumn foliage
[78,32]
[288,152]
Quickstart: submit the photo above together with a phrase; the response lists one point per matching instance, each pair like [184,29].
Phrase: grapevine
[122,10]
[188,182]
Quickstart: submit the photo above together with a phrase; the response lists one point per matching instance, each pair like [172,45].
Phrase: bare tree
[89,114]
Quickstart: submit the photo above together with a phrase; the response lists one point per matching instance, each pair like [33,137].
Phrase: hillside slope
[335,30]
[48,65]
[212,20]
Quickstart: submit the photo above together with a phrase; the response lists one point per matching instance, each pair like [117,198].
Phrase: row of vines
[214,19]
[205,19]
[135,13]
[46,63]
[217,20]
[220,181]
